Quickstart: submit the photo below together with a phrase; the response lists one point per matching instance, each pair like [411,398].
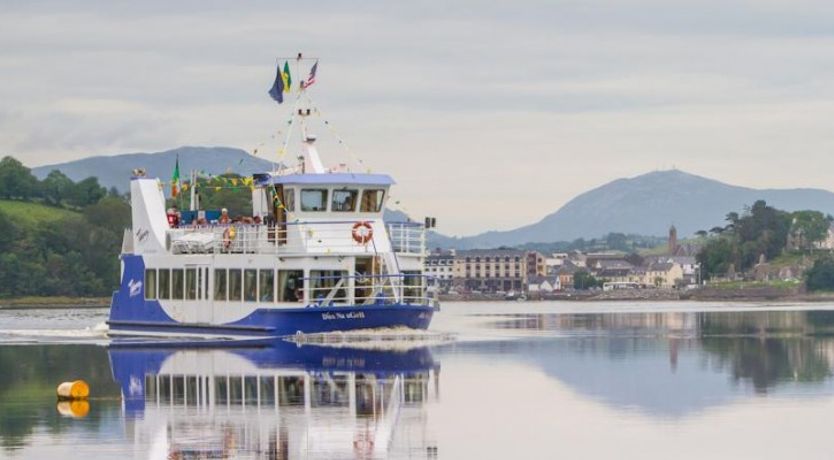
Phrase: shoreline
[744,295]
[57,302]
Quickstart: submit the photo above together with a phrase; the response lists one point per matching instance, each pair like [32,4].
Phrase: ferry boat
[277,401]
[316,256]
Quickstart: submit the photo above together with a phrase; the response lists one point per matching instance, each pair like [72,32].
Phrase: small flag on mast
[287,77]
[277,91]
[175,179]
[311,78]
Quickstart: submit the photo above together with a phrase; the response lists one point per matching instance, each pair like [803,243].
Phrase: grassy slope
[31,214]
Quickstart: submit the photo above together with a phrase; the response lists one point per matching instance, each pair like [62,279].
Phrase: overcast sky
[490,115]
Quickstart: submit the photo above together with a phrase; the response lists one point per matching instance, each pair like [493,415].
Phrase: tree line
[762,232]
[71,255]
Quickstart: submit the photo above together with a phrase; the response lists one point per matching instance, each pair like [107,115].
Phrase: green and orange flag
[175,179]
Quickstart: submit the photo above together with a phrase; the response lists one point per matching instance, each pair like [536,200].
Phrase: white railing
[293,237]
[367,290]
[407,237]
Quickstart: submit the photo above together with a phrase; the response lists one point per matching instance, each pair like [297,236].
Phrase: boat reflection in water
[278,401]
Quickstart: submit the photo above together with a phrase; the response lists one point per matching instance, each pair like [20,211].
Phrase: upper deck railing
[337,237]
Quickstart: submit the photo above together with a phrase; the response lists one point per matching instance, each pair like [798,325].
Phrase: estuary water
[489,381]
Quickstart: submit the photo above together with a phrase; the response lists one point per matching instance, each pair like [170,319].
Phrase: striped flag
[175,179]
[285,75]
[311,78]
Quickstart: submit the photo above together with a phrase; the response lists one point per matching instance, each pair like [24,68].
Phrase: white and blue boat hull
[132,314]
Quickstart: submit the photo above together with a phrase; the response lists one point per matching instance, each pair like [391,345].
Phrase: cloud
[490,115]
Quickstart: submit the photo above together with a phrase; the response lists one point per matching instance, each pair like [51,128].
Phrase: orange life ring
[362,232]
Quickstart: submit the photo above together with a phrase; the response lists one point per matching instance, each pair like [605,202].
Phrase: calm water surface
[518,380]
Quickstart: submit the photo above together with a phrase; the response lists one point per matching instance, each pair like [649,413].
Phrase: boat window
[150,284]
[177,283]
[190,283]
[250,287]
[234,285]
[164,284]
[289,199]
[290,285]
[291,391]
[221,390]
[412,286]
[372,200]
[314,199]
[267,390]
[344,200]
[220,284]
[323,283]
[266,285]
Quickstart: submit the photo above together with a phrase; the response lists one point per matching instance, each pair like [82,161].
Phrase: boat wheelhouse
[316,256]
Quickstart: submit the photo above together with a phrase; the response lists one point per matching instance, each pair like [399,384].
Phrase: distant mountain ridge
[115,170]
[648,205]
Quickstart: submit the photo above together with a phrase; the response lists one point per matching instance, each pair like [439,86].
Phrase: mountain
[647,205]
[115,171]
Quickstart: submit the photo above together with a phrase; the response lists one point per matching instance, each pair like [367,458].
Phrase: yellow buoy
[77,389]
[75,409]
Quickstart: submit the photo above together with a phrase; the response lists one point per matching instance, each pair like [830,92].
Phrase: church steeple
[673,240]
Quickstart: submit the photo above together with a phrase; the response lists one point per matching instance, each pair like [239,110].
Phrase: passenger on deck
[257,220]
[224,217]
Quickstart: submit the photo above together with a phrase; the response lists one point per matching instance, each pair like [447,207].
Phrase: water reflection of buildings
[279,402]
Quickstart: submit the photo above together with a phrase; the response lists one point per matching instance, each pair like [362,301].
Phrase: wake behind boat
[316,256]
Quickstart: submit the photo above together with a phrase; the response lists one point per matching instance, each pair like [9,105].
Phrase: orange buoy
[77,389]
[74,409]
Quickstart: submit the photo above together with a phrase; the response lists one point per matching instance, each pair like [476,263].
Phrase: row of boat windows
[343,200]
[191,390]
[234,284]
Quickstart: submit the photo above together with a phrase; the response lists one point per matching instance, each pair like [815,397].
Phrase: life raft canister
[362,232]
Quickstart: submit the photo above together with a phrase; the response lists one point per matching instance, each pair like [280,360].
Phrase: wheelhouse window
[177,283]
[235,287]
[220,292]
[372,200]
[164,284]
[191,284]
[266,285]
[290,285]
[314,200]
[250,287]
[150,284]
[344,200]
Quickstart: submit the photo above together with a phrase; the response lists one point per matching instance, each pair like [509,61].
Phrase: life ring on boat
[228,236]
[363,447]
[362,232]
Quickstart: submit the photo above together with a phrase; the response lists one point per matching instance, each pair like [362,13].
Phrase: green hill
[30,214]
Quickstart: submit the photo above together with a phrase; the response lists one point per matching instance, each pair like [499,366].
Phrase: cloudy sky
[489,114]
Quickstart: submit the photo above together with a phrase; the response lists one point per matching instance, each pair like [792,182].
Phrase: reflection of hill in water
[673,364]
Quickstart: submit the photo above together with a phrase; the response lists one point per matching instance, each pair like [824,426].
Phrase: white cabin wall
[148,213]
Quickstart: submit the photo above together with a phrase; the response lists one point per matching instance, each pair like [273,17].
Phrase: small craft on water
[315,256]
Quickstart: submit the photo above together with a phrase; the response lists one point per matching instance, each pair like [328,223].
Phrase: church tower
[673,240]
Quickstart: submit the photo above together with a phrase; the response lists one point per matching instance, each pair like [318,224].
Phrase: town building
[663,275]
[490,270]
[440,269]
[536,264]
